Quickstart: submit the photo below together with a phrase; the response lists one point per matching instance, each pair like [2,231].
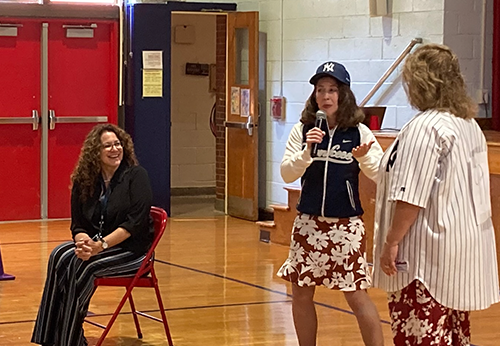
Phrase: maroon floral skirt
[329,252]
[418,319]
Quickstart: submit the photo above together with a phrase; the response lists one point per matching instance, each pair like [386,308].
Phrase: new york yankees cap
[332,69]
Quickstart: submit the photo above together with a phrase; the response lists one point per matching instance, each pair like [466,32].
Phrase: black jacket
[128,206]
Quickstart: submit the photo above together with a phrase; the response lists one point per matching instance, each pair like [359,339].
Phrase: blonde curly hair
[432,80]
[88,167]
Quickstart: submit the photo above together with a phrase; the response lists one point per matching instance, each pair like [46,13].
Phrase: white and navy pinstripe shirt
[439,162]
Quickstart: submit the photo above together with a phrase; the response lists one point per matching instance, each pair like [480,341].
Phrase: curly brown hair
[432,80]
[348,113]
[88,167]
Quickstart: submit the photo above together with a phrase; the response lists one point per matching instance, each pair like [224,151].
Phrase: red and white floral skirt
[329,252]
[418,319]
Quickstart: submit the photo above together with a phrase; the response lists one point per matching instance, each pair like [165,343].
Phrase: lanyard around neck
[103,200]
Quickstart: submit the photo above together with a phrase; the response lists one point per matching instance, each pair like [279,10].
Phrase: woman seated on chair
[112,231]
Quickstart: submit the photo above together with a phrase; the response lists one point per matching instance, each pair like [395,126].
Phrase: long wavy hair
[348,113]
[432,80]
[88,167]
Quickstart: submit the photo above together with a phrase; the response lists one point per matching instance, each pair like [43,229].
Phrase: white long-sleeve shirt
[297,156]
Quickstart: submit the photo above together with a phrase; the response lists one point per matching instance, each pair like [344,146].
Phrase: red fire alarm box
[278,107]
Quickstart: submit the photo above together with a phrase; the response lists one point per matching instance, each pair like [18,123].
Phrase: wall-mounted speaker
[379,7]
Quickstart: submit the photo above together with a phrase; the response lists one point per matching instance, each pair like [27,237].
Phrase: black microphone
[320,119]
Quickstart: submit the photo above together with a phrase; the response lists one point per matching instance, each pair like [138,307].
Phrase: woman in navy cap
[327,149]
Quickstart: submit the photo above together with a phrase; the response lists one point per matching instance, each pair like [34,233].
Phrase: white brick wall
[462,33]
[427,5]
[420,24]
[318,30]
[308,28]
[400,6]
[346,49]
[193,145]
[366,45]
[305,50]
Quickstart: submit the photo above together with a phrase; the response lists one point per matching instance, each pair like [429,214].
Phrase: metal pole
[44,113]
[390,70]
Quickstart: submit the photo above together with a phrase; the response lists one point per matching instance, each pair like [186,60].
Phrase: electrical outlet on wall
[482,96]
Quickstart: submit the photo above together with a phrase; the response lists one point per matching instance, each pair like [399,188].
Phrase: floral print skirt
[329,252]
[418,319]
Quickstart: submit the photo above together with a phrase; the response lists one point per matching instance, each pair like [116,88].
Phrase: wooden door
[242,115]
[20,41]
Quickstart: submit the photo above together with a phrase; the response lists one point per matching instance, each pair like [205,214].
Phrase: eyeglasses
[109,146]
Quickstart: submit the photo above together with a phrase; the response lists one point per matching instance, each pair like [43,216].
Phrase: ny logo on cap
[328,67]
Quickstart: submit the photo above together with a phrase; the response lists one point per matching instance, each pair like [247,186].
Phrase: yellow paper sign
[152,83]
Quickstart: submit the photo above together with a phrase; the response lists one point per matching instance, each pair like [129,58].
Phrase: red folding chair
[145,277]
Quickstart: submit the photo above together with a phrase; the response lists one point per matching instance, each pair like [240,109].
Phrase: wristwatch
[104,244]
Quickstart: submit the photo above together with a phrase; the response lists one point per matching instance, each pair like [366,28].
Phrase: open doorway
[195,130]
[152,120]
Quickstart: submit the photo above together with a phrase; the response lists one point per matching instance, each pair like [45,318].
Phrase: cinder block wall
[310,32]
[193,145]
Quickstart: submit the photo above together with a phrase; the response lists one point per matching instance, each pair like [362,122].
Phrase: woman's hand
[83,251]
[388,259]
[87,248]
[81,236]
[362,149]
[314,135]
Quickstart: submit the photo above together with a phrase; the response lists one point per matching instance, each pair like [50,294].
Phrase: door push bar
[9,29]
[10,25]
[34,120]
[53,120]
[249,125]
[79,26]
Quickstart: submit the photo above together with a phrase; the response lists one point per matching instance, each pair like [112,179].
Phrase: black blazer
[128,206]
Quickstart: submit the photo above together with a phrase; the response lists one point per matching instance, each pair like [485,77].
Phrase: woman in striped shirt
[434,241]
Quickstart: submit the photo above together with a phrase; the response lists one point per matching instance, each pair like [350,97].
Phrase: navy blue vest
[330,183]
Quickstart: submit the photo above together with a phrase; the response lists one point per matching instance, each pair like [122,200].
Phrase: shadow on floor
[193,207]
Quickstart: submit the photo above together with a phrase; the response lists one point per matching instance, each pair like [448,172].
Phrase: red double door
[58,79]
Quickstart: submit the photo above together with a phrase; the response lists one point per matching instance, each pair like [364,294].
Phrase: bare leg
[304,315]
[367,315]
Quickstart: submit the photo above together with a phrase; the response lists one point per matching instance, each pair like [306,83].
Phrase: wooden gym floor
[218,285]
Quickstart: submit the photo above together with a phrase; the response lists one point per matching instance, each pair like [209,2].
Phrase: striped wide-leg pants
[68,289]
